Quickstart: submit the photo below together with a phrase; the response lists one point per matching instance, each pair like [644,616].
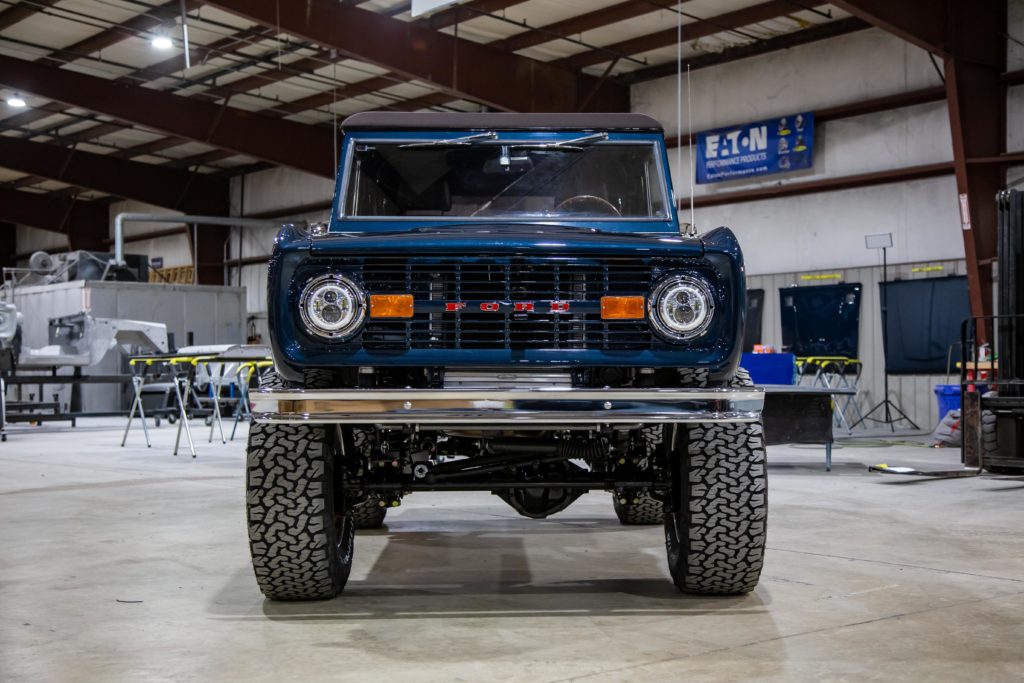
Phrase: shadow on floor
[495,573]
[814,467]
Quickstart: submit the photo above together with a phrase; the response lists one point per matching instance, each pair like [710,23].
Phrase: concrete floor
[128,565]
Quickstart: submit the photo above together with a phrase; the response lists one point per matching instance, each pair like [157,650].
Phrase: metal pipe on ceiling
[128,217]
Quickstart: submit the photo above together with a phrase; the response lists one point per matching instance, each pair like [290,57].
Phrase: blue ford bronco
[505,303]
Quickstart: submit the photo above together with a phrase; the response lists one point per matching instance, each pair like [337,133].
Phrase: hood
[507,238]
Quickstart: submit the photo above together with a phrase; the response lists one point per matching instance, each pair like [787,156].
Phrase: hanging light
[162,42]
[16,101]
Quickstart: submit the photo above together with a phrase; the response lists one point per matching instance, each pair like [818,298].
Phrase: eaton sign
[774,146]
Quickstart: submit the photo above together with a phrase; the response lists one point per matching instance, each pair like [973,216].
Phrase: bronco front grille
[436,281]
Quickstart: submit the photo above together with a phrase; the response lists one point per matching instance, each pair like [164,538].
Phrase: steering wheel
[588,203]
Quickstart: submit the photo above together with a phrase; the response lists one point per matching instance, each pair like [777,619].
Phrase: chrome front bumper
[480,408]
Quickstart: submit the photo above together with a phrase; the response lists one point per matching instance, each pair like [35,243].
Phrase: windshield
[456,179]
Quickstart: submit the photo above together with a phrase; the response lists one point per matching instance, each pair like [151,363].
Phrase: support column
[977,118]
[208,253]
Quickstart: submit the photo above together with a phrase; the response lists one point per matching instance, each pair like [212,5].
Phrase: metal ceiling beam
[151,72]
[36,113]
[20,11]
[921,22]
[370,86]
[464,12]
[468,11]
[147,21]
[831,29]
[150,183]
[578,24]
[199,53]
[696,29]
[299,146]
[267,77]
[895,175]
[860,108]
[458,66]
[89,134]
[85,223]
[103,39]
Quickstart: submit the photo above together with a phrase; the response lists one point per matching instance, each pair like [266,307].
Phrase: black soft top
[376,120]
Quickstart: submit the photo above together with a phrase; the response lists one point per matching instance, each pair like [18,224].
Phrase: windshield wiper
[575,144]
[464,141]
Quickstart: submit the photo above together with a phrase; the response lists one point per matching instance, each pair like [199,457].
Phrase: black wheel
[990,445]
[715,531]
[643,509]
[368,515]
[300,536]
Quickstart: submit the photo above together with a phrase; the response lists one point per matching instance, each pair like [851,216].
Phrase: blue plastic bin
[949,398]
[770,368]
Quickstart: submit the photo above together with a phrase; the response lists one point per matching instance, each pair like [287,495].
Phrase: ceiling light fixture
[16,101]
[162,43]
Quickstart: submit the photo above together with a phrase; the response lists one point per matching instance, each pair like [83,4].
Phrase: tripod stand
[885,405]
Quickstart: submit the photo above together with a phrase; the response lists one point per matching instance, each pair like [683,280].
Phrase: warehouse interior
[150,153]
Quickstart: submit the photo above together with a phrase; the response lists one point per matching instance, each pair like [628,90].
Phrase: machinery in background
[76,341]
[44,268]
[192,314]
[81,340]
[78,306]
[993,422]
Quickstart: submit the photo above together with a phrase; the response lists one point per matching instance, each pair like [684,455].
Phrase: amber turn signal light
[622,307]
[391,305]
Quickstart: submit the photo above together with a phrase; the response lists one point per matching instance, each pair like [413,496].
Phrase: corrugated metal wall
[914,394]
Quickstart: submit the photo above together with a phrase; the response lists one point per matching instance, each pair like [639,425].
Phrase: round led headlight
[332,306]
[681,307]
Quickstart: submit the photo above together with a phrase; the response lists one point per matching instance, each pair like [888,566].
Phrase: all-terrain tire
[300,538]
[368,515]
[647,511]
[715,535]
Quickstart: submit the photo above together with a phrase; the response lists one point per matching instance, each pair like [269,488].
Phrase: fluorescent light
[162,43]
[15,101]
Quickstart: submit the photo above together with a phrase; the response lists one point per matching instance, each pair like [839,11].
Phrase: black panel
[85,268]
[797,417]
[821,321]
[924,320]
[755,319]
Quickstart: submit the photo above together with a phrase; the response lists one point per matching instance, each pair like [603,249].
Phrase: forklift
[992,386]
[993,422]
